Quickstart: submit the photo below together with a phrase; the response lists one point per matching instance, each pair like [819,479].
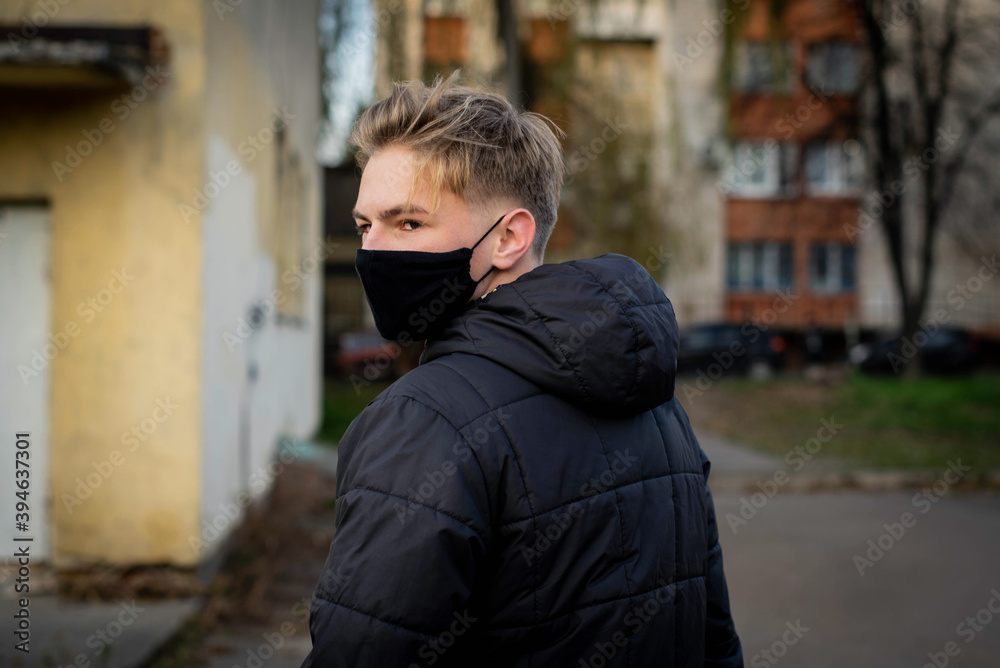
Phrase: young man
[532,493]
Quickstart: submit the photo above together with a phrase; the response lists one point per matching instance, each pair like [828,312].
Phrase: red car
[369,356]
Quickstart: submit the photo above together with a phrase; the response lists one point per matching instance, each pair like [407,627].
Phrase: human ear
[515,239]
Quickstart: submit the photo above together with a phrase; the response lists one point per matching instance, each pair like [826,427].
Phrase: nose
[374,239]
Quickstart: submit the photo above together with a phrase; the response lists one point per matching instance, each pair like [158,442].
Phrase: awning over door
[78,56]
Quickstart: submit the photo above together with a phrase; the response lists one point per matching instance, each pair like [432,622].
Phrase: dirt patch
[275,562]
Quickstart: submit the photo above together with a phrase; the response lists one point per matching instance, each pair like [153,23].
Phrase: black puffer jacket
[531,494]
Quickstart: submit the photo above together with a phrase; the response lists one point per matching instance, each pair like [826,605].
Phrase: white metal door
[26,353]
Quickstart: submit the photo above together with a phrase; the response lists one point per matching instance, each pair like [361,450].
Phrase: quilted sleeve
[412,531]
[722,645]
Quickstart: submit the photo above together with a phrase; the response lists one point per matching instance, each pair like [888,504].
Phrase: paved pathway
[795,561]
[109,635]
[729,458]
[282,639]
[805,560]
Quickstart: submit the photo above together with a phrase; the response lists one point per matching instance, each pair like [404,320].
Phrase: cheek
[436,239]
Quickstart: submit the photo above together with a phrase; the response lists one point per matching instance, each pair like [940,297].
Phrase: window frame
[844,173]
[839,275]
[779,167]
[747,53]
[820,56]
[760,266]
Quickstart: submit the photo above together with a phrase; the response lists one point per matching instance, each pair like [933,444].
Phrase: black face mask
[415,294]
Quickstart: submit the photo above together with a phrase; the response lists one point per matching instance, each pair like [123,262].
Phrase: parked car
[948,350]
[823,346]
[367,355]
[717,349]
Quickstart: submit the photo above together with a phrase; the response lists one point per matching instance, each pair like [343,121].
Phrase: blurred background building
[160,265]
[721,144]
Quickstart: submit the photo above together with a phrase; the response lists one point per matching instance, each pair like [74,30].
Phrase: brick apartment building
[794,188]
[733,184]
[734,237]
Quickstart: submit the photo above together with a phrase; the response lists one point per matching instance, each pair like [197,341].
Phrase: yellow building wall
[118,212]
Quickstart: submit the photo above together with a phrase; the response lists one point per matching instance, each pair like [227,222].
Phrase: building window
[833,68]
[762,67]
[763,267]
[444,45]
[835,168]
[831,268]
[762,169]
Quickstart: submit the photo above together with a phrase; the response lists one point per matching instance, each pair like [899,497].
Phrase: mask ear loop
[488,232]
[480,240]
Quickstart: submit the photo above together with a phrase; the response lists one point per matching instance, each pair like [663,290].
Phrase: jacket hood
[599,333]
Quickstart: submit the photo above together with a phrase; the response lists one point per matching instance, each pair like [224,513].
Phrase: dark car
[718,349]
[944,351]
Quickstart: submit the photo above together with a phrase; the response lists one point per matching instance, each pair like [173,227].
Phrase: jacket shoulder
[462,386]
[404,448]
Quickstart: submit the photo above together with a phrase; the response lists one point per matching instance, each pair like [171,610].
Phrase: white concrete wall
[262,57]
[965,286]
[689,142]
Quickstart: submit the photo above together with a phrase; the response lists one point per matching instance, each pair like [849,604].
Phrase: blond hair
[474,143]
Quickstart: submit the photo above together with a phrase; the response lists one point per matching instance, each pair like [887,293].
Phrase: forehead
[386,182]
[390,169]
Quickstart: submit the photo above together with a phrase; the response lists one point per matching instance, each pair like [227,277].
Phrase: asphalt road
[799,559]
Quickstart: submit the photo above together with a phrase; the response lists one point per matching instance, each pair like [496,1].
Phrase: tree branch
[933,111]
[918,56]
[953,167]
[948,47]
[887,158]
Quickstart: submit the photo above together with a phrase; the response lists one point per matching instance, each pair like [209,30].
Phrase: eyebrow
[389,213]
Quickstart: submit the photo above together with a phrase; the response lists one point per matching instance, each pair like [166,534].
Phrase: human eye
[414,224]
[362,229]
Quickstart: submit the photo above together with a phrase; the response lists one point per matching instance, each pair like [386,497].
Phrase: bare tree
[507,32]
[932,91]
